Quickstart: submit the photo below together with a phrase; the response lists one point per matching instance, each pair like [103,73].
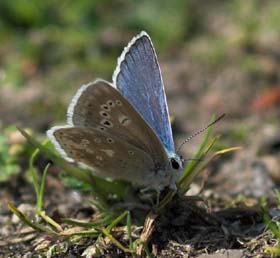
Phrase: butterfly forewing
[138,78]
[101,107]
[106,154]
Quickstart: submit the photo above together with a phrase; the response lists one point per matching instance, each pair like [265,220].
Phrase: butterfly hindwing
[100,106]
[105,154]
[138,78]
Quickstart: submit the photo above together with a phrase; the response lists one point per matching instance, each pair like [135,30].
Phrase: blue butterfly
[122,130]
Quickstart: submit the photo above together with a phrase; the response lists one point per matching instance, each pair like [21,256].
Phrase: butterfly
[121,130]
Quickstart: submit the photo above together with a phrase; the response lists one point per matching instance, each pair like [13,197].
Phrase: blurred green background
[58,45]
[49,48]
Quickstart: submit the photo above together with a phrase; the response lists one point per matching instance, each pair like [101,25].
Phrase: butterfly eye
[174,164]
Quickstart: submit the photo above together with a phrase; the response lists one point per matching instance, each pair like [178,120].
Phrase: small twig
[25,219]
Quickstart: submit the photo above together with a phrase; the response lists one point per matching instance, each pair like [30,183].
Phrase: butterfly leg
[149,194]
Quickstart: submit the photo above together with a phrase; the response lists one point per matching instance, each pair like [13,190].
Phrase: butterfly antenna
[200,131]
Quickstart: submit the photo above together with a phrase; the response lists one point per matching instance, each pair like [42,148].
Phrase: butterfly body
[122,130]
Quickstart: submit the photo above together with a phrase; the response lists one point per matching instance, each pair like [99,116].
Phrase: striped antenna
[200,131]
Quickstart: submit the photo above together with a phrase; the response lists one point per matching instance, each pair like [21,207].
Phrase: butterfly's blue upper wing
[138,78]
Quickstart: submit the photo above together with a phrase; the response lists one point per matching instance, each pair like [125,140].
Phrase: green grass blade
[34,173]
[193,163]
[184,184]
[115,241]
[116,221]
[128,225]
[50,221]
[40,203]
[147,251]
[26,220]
[274,228]
[204,164]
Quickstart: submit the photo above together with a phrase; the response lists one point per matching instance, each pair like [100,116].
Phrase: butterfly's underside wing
[106,154]
[99,111]
[138,78]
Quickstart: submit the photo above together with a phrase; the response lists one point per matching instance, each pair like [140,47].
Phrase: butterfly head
[168,175]
[175,162]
